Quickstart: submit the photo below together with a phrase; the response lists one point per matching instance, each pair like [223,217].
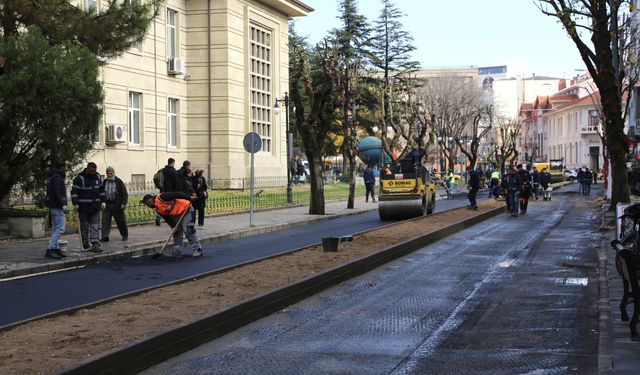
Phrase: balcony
[592,126]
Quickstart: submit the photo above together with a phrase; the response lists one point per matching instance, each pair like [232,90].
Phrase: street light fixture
[276,111]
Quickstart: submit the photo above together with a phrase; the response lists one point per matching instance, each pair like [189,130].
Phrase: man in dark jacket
[580,177]
[88,199]
[535,182]
[525,188]
[57,203]
[180,173]
[369,184]
[116,196]
[474,186]
[513,185]
[168,181]
[169,176]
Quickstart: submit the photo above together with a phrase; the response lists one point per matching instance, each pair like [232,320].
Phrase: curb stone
[605,344]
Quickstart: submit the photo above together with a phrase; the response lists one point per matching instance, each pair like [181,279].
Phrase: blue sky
[468,32]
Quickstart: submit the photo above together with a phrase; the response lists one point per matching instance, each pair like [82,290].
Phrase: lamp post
[276,110]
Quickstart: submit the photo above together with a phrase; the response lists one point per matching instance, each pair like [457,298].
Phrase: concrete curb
[151,247]
[147,352]
[605,344]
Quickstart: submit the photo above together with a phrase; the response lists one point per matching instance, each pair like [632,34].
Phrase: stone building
[207,73]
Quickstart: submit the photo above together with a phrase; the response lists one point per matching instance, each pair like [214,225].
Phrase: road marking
[573,281]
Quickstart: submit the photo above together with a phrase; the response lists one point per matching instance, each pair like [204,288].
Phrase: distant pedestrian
[587,181]
[169,181]
[474,186]
[513,186]
[57,203]
[580,177]
[184,182]
[369,184]
[545,180]
[294,168]
[535,182]
[450,181]
[595,176]
[116,197]
[199,184]
[525,188]
[494,178]
[88,199]
[171,206]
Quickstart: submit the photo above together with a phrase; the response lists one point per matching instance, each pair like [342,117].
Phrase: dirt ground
[52,344]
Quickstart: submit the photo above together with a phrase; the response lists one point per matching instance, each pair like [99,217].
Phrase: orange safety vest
[171,208]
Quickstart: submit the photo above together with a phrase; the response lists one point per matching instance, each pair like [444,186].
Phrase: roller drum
[398,209]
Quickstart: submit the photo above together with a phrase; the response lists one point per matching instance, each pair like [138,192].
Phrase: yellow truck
[406,192]
[555,167]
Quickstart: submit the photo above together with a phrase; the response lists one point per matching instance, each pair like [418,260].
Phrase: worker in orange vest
[171,206]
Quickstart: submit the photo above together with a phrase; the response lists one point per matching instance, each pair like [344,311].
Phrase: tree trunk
[452,162]
[316,204]
[352,183]
[617,148]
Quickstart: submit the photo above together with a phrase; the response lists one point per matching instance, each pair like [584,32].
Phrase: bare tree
[606,42]
[458,113]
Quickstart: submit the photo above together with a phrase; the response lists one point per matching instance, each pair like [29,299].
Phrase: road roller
[406,191]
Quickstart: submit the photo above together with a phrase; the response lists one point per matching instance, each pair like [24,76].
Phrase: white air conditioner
[116,133]
[175,66]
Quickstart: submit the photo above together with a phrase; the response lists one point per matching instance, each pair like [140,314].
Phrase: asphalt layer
[30,297]
[507,296]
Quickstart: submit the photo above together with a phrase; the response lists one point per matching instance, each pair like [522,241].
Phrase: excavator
[406,190]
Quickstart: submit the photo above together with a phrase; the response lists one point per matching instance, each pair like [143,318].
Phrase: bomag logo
[400,183]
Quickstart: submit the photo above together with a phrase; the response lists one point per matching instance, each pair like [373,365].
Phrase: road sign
[252,142]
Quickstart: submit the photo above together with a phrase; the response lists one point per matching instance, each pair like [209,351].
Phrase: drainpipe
[155,86]
[209,83]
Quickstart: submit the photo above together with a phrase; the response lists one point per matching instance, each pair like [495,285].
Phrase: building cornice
[292,8]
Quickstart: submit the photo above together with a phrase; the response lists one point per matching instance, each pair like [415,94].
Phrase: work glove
[103,205]
[65,208]
[76,207]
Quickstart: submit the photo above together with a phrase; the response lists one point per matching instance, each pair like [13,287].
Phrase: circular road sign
[252,142]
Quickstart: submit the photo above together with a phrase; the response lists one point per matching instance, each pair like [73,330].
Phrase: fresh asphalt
[30,297]
[507,296]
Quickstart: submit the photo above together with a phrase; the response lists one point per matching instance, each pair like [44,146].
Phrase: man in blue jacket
[57,203]
[87,195]
[369,183]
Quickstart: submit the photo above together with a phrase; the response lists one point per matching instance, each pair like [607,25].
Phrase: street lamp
[276,111]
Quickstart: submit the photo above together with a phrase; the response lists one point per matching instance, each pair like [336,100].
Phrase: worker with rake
[176,209]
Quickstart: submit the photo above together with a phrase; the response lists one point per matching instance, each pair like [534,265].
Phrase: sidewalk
[26,257]
[618,354]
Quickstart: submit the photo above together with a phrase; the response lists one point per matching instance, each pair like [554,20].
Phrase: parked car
[571,175]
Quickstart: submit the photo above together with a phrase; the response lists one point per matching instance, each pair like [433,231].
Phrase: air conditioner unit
[116,133]
[175,66]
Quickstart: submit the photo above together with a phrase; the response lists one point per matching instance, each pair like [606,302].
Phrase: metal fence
[215,184]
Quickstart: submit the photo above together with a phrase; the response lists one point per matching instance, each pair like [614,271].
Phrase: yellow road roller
[406,191]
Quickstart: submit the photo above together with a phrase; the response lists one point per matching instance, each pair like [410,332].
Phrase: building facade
[207,73]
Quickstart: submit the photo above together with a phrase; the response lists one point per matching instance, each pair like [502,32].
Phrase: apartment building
[567,126]
[207,73]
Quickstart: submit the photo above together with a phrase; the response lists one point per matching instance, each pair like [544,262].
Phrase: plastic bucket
[63,245]
[330,243]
